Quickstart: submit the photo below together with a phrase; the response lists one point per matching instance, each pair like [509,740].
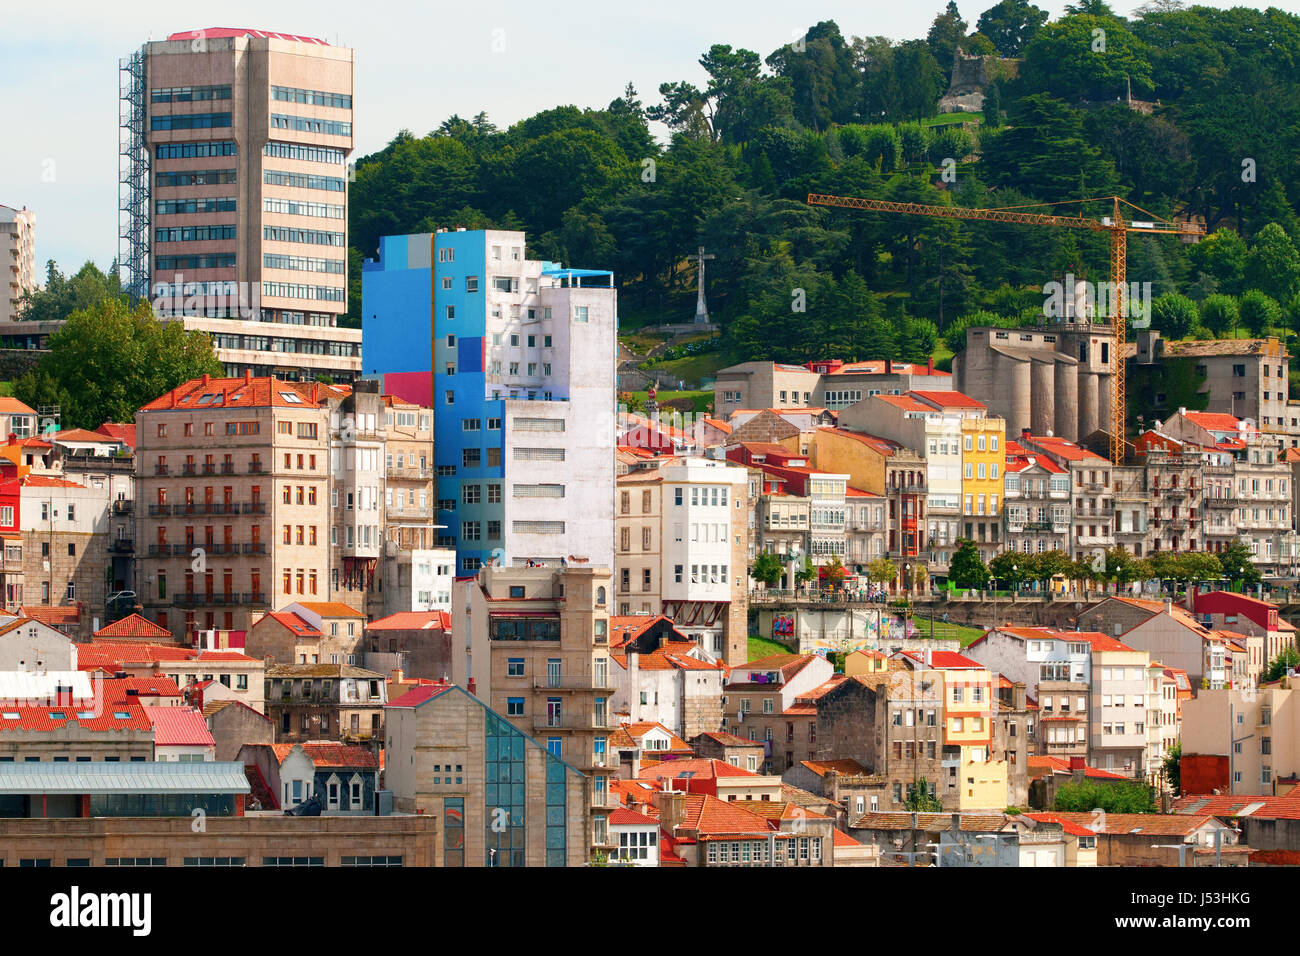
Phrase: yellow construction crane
[1115,224]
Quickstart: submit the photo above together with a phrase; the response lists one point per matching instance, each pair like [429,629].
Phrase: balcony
[1092,487]
[161,470]
[209,468]
[122,546]
[256,468]
[569,724]
[123,506]
[222,599]
[227,467]
[1229,503]
[252,547]
[572,683]
[1093,512]
[606,761]
[189,469]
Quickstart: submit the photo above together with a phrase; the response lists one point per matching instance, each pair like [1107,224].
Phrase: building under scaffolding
[133,175]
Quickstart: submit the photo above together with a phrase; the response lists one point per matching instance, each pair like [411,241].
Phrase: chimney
[1025,433]
[471,685]
[248,376]
[929,365]
[1182,410]
[889,366]
[1077,764]
[206,378]
[397,675]
[1169,606]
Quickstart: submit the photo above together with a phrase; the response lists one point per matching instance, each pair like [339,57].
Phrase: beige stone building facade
[247,136]
[233,484]
[538,653]
[18,255]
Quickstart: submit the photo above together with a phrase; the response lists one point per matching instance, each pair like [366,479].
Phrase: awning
[100,777]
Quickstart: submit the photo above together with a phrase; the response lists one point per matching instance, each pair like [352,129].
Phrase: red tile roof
[52,615]
[730,740]
[1069,826]
[134,627]
[330,753]
[698,769]
[952,399]
[944,660]
[179,727]
[105,655]
[330,608]
[420,695]
[412,621]
[1214,421]
[1153,824]
[1266,807]
[233,393]
[1047,764]
[1064,448]
[294,623]
[709,816]
[119,432]
[630,818]
[823,767]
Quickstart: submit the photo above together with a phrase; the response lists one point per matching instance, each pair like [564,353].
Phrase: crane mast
[1115,224]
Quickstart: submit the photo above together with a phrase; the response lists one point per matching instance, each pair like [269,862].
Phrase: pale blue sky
[416,63]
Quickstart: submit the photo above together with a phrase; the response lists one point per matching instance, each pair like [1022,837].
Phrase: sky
[416,64]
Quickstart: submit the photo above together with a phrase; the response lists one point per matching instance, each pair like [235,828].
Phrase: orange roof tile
[232,393]
[134,627]
[330,608]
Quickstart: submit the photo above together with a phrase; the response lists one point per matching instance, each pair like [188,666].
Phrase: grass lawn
[967,635]
[690,369]
[640,342]
[702,400]
[760,647]
[947,119]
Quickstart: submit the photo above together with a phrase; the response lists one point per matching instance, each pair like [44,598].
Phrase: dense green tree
[921,80]
[1287,659]
[61,295]
[1046,154]
[1011,24]
[919,799]
[1219,314]
[967,569]
[822,77]
[1012,568]
[1172,766]
[767,569]
[1239,564]
[1273,265]
[1174,315]
[1259,312]
[1072,60]
[1086,796]
[1222,254]
[946,36]
[110,359]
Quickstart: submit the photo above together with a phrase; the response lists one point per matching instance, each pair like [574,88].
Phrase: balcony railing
[571,723]
[161,470]
[123,506]
[216,599]
[227,467]
[122,546]
[209,468]
[256,468]
[572,683]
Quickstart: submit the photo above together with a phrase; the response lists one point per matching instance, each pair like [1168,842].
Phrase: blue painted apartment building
[517,358]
